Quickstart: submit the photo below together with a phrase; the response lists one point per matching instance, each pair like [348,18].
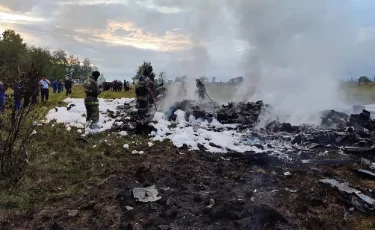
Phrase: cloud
[193,37]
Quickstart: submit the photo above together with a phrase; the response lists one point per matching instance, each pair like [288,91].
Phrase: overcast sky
[196,37]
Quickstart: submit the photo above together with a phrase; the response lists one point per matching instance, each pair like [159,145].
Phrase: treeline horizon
[16,57]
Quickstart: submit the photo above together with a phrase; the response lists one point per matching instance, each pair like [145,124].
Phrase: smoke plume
[297,53]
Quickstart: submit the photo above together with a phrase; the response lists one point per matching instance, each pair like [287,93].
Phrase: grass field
[56,158]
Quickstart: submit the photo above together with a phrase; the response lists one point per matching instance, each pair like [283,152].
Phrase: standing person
[60,86]
[54,86]
[142,97]
[113,86]
[116,86]
[2,96]
[120,86]
[201,90]
[44,83]
[151,87]
[125,86]
[91,101]
[17,89]
[68,86]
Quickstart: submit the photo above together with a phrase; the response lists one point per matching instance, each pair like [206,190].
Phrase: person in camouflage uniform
[142,93]
[150,82]
[201,90]
[92,91]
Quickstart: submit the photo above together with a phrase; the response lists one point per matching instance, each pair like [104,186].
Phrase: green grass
[59,165]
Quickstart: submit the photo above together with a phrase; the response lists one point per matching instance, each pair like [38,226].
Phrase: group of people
[118,85]
[30,94]
[58,86]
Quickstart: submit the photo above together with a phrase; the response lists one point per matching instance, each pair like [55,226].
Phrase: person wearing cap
[92,91]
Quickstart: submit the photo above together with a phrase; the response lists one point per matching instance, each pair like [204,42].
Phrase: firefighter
[92,91]
[142,93]
[201,89]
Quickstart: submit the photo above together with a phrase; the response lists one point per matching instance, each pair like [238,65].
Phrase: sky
[179,37]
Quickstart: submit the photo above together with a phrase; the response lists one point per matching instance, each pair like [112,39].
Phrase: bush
[17,123]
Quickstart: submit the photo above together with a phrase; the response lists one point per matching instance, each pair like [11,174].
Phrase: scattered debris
[367,173]
[129,208]
[287,174]
[123,133]
[135,152]
[329,161]
[212,203]
[149,194]
[291,190]
[351,195]
[73,213]
[126,146]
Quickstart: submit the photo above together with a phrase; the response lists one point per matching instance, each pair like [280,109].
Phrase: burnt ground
[245,191]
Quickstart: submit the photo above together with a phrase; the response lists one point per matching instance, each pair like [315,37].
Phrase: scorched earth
[222,173]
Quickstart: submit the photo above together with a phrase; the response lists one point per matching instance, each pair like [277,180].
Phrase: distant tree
[364,80]
[59,65]
[145,69]
[74,68]
[178,79]
[213,79]
[12,51]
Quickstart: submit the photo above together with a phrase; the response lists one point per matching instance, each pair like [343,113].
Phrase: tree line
[16,56]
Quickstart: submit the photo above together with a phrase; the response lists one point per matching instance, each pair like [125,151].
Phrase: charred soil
[199,191]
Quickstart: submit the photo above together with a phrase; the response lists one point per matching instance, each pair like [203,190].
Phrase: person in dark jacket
[142,93]
[119,86]
[54,86]
[68,86]
[92,91]
[151,87]
[60,86]
[201,89]
[125,86]
[2,96]
[17,89]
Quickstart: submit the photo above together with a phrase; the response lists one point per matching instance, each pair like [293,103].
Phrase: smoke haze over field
[297,54]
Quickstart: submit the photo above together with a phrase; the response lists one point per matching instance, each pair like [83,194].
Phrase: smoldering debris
[351,195]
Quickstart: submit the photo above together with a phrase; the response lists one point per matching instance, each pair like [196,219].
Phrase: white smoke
[195,59]
[297,53]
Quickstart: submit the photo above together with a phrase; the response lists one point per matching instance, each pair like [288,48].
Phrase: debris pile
[246,114]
